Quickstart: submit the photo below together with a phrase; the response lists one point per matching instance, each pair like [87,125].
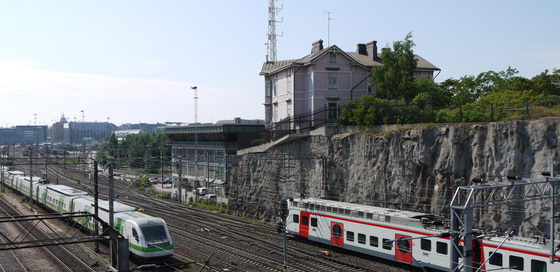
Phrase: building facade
[57,130]
[31,134]
[203,148]
[87,132]
[324,79]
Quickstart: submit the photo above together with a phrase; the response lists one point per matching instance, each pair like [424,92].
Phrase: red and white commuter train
[375,231]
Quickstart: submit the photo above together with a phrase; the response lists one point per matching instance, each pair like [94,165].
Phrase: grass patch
[209,206]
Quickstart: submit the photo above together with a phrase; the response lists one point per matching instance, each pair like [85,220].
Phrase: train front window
[304,220]
[538,266]
[337,231]
[153,233]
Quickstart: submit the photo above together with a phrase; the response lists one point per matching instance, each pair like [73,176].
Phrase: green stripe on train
[153,249]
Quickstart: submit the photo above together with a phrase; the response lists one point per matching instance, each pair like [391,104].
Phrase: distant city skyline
[135,61]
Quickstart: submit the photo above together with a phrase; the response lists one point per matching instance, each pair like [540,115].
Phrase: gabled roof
[363,60]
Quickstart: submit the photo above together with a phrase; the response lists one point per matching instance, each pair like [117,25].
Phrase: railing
[401,113]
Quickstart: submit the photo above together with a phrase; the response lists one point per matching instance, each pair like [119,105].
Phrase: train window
[295,203]
[312,206]
[346,212]
[387,244]
[295,218]
[361,238]
[337,231]
[304,220]
[313,221]
[374,241]
[135,234]
[426,244]
[516,263]
[350,236]
[538,266]
[360,214]
[495,259]
[329,209]
[335,210]
[441,248]
[404,245]
[387,218]
[369,216]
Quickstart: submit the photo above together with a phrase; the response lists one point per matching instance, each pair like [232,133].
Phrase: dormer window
[332,57]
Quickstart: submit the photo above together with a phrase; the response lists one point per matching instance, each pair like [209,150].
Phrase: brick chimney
[317,46]
[372,49]
[362,49]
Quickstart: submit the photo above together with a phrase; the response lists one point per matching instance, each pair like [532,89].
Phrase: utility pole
[113,246]
[46,167]
[85,159]
[31,178]
[57,166]
[161,165]
[3,165]
[195,131]
[96,201]
[146,154]
[180,183]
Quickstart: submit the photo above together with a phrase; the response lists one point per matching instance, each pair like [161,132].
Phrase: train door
[304,224]
[403,249]
[337,234]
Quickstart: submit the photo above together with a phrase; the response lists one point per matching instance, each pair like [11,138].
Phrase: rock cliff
[416,169]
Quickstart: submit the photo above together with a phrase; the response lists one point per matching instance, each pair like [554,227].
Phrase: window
[332,112]
[441,248]
[135,234]
[350,236]
[275,112]
[337,231]
[289,108]
[332,80]
[426,244]
[369,216]
[313,221]
[274,87]
[289,82]
[361,238]
[312,206]
[154,233]
[538,266]
[495,259]
[346,212]
[516,263]
[304,220]
[374,241]
[332,57]
[404,245]
[268,87]
[295,218]
[329,209]
[387,244]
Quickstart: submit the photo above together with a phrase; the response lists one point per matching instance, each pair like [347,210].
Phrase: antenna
[329,19]
[271,42]
[35,118]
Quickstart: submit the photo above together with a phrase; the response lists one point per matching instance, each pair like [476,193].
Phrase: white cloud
[25,90]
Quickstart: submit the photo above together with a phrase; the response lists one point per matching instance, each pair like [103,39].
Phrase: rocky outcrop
[416,169]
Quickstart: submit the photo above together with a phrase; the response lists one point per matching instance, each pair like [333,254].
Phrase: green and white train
[148,236]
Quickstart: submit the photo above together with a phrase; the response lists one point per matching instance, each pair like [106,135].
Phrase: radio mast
[271,39]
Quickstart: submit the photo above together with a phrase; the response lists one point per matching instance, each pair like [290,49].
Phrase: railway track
[264,245]
[10,261]
[66,258]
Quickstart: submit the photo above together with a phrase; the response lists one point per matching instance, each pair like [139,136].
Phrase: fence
[400,113]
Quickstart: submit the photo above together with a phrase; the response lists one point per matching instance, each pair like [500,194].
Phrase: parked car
[154,180]
[166,180]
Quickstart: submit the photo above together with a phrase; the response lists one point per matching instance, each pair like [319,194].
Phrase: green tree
[430,92]
[394,79]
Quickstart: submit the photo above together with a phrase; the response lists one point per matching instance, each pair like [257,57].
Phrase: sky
[130,61]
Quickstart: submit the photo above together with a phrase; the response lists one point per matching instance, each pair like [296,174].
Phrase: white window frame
[289,82]
[289,107]
[332,75]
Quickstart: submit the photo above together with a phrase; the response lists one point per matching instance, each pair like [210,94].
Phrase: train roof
[66,190]
[17,173]
[104,205]
[33,179]
[363,208]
